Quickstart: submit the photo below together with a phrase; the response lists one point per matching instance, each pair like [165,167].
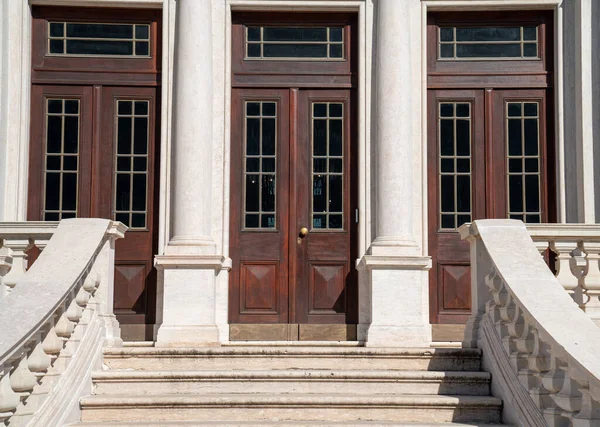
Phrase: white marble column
[393,291]
[187,269]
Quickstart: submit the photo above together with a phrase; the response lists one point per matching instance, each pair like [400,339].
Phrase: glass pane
[514,109]
[335,221]
[515,165]
[69,192]
[138,220]
[461,219]
[447,165]
[268,109]
[447,137]
[268,193]
[295,50]
[252,193]
[336,110]
[319,194]
[319,221]
[463,137]
[531,109]
[99,47]
[142,32]
[529,33]
[124,218]
[71,142]
[55,106]
[531,137]
[252,137]
[463,165]
[57,29]
[335,51]
[446,110]
[124,164]
[252,108]
[54,134]
[533,219]
[463,110]
[531,165]
[124,107]
[140,139]
[53,163]
[57,46]
[253,34]
[336,191]
[532,193]
[124,135]
[254,52]
[268,137]
[70,163]
[447,193]
[488,50]
[51,216]
[514,138]
[140,164]
[100,31]
[336,34]
[123,192]
[320,137]
[251,221]
[447,51]
[253,165]
[267,221]
[52,191]
[319,110]
[139,192]
[487,34]
[335,138]
[142,48]
[320,165]
[268,165]
[335,165]
[141,108]
[294,34]
[515,190]
[446,34]
[448,221]
[530,50]
[71,106]
[463,193]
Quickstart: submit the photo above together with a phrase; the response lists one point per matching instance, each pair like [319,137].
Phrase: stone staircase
[290,385]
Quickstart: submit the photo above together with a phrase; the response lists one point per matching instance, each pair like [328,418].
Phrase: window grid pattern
[260,165]
[61,159]
[98,39]
[474,43]
[328,166]
[454,168]
[295,43]
[131,163]
[523,161]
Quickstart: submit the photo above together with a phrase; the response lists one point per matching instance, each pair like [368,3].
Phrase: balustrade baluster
[569,266]
[591,280]
[9,400]
[18,251]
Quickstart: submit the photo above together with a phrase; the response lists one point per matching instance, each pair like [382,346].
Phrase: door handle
[303,232]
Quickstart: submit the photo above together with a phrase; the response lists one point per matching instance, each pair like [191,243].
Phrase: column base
[398,336]
[187,336]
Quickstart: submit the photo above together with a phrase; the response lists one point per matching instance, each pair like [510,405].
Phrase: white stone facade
[196,90]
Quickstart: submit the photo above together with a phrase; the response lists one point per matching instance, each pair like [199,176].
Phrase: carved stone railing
[543,351]
[576,251]
[55,317]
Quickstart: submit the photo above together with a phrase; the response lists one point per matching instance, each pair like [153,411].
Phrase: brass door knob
[303,232]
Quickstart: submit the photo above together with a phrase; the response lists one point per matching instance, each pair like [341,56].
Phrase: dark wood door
[93,154]
[292,222]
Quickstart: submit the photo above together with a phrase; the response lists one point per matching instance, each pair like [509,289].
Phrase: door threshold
[291,332]
[293,344]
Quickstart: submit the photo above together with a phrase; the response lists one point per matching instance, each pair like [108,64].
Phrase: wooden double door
[293,222]
[488,157]
[93,154]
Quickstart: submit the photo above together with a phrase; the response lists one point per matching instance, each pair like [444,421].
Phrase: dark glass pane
[319,193]
[336,191]
[53,137]
[447,137]
[123,191]
[294,34]
[268,165]
[70,163]
[335,51]
[252,137]
[71,106]
[532,219]
[125,107]
[529,33]
[335,110]
[51,216]
[123,217]
[253,52]
[57,46]
[252,108]
[463,138]
[140,136]
[531,137]
[335,34]
[446,110]
[532,193]
[487,34]
[252,221]
[69,192]
[515,189]
[463,110]
[268,193]
[252,193]
[141,108]
[100,31]
[320,137]
[124,135]
[515,165]
[71,144]
[447,193]
[138,220]
[447,165]
[488,50]
[448,221]
[124,164]
[140,164]
[253,34]
[531,165]
[320,165]
[57,29]
[319,221]
[530,50]
[335,138]
[320,110]
[463,193]
[139,192]
[142,48]
[531,109]
[335,221]
[335,165]
[142,32]
[446,51]
[268,137]
[252,165]
[53,163]
[68,215]
[295,50]
[514,109]
[462,219]
[55,106]
[268,109]
[463,165]
[99,47]
[52,191]
[446,34]
[514,138]
[267,221]
[513,216]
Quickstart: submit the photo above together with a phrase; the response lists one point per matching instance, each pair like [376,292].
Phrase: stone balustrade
[542,350]
[55,317]
[575,249]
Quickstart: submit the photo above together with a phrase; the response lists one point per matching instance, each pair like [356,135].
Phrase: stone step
[275,423]
[292,381]
[253,358]
[292,407]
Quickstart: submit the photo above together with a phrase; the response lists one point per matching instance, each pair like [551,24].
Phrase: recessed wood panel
[456,287]
[259,285]
[130,287]
[327,284]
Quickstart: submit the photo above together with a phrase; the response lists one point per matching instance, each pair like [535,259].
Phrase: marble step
[276,423]
[291,381]
[293,357]
[292,407]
